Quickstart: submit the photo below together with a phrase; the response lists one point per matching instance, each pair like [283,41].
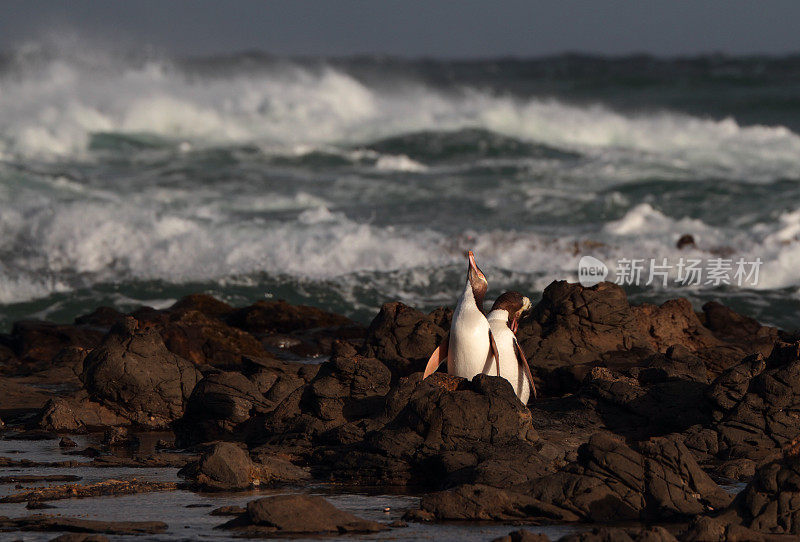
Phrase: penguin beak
[526,306]
[474,267]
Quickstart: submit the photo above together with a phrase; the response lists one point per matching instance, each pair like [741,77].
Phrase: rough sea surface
[136,179]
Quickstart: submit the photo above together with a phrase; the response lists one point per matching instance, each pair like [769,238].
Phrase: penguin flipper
[524,362]
[495,351]
[438,357]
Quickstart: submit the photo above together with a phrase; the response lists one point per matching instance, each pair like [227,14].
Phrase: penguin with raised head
[469,347]
[503,321]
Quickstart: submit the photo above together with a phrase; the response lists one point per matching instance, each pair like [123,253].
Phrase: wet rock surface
[642,410]
[134,374]
[53,523]
[285,515]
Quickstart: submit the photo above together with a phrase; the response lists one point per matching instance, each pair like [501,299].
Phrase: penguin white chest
[510,368]
[469,351]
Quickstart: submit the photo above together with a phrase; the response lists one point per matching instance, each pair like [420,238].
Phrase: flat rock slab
[100,489]
[75,525]
[159,460]
[33,478]
[283,515]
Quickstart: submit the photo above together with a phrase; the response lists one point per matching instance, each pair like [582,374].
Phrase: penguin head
[476,279]
[515,304]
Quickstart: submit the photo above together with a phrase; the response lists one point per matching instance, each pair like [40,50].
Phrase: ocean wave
[181,236]
[66,109]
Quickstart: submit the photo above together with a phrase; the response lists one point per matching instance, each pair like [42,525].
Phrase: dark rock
[771,501]
[224,467]
[134,374]
[709,529]
[36,343]
[348,387]
[78,537]
[576,326]
[35,478]
[484,503]
[281,317]
[613,482]
[622,534]
[228,511]
[38,505]
[222,406]
[207,341]
[284,515]
[685,241]
[523,536]
[754,404]
[609,482]
[202,303]
[77,414]
[444,428]
[53,523]
[573,325]
[733,328]
[78,491]
[404,338]
[119,436]
[20,399]
[101,317]
[665,405]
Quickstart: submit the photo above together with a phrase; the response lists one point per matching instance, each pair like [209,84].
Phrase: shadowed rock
[404,338]
[134,374]
[77,414]
[622,534]
[573,325]
[609,482]
[444,428]
[523,536]
[52,523]
[284,515]
[753,406]
[224,467]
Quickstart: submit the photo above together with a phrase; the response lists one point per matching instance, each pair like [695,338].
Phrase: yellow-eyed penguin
[503,321]
[469,347]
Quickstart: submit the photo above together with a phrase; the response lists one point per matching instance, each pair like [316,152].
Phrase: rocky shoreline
[644,413]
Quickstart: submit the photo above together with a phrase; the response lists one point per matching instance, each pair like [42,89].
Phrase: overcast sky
[439,28]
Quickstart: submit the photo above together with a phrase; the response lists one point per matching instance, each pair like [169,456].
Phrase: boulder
[205,304]
[203,340]
[770,503]
[442,429]
[523,536]
[753,405]
[222,405]
[286,515]
[404,338]
[281,317]
[710,529]
[35,343]
[574,325]
[484,503]
[79,537]
[611,481]
[77,414]
[622,534]
[346,388]
[223,467]
[734,328]
[134,374]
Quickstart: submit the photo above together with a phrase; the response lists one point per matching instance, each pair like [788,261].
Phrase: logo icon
[591,271]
